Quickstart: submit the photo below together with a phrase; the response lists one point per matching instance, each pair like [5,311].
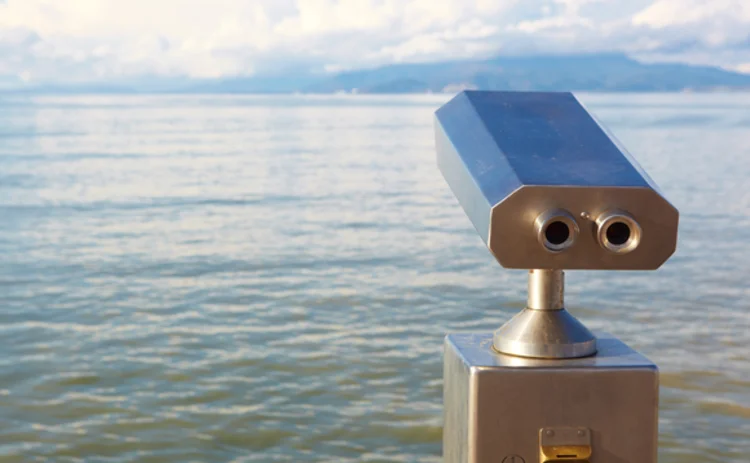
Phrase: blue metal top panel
[540,138]
[465,139]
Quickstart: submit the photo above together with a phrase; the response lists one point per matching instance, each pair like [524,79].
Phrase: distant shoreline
[33,93]
[600,73]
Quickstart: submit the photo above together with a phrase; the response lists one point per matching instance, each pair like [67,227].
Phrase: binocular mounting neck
[544,329]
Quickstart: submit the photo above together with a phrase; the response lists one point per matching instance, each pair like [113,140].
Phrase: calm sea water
[231,278]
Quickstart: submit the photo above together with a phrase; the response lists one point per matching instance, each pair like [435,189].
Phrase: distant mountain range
[589,72]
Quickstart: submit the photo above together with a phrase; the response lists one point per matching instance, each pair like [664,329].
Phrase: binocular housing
[547,186]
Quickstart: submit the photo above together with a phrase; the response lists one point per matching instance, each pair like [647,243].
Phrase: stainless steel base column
[505,409]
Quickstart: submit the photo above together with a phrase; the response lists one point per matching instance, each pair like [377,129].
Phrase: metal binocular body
[548,188]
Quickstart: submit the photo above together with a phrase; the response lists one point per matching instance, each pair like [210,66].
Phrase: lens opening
[618,232]
[557,230]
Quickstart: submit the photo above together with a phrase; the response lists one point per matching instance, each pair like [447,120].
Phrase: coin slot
[565,444]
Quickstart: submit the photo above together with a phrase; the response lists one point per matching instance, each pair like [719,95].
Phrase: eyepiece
[618,232]
[556,230]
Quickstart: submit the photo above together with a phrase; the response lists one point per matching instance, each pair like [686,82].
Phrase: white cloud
[48,40]
[667,13]
[715,32]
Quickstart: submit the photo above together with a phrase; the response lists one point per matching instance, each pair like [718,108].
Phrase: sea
[240,278]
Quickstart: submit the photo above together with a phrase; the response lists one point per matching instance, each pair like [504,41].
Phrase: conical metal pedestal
[545,329]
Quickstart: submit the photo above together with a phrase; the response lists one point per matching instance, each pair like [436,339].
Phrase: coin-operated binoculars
[548,188]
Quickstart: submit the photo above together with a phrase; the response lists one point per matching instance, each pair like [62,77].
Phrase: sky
[55,41]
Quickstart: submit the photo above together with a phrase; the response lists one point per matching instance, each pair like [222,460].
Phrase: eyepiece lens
[618,233]
[557,233]
[556,230]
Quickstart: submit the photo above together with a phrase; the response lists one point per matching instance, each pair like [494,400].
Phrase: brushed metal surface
[513,238]
[552,334]
[495,404]
[459,416]
[546,290]
[510,157]
[545,329]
